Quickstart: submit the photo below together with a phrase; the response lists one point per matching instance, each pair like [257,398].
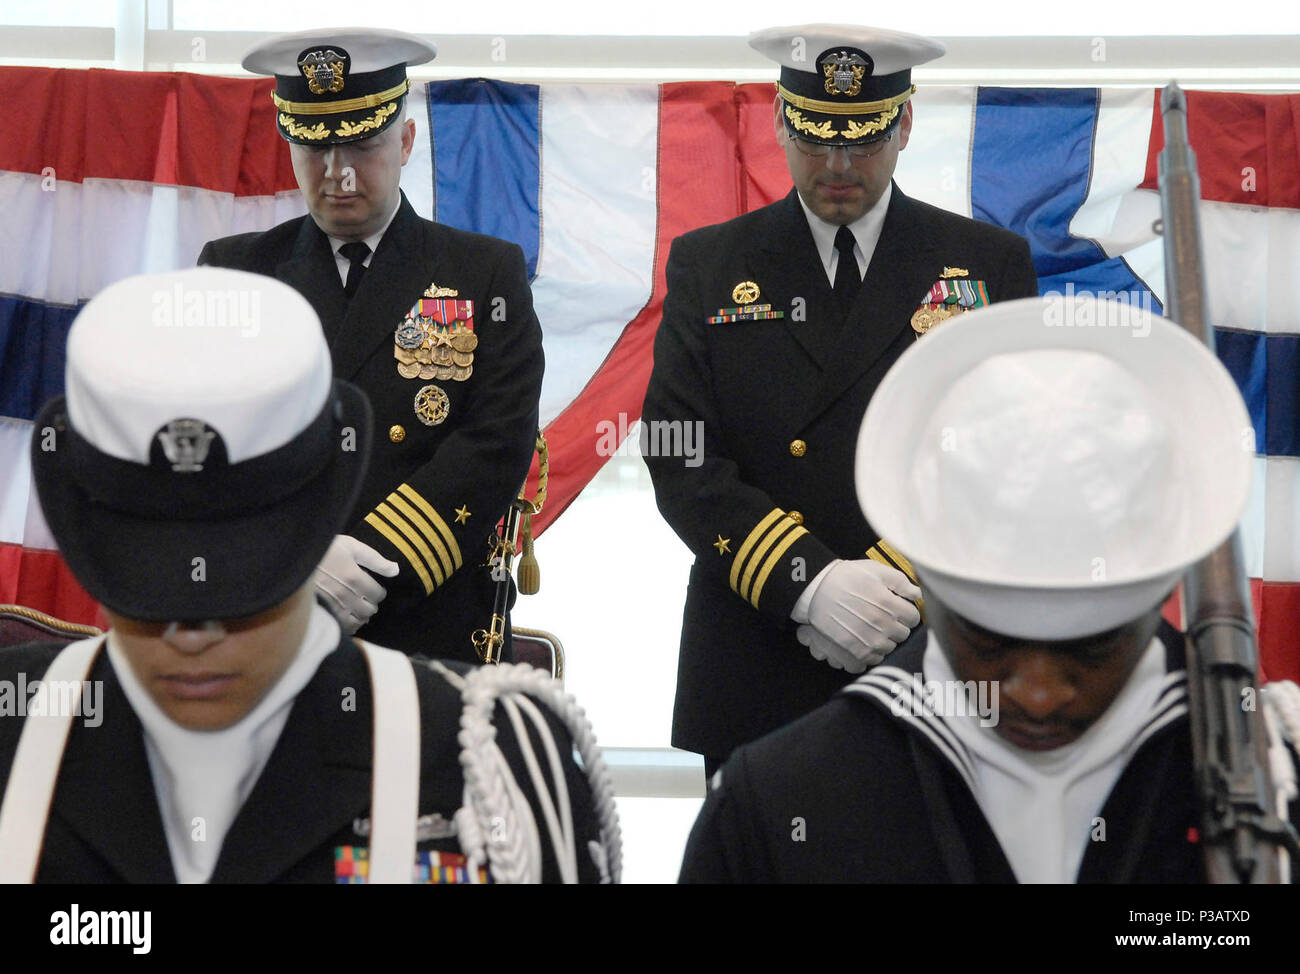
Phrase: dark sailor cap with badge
[337,85]
[841,83]
[203,457]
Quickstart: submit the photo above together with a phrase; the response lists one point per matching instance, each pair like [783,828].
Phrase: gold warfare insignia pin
[954,272]
[434,291]
[746,292]
[431,405]
[323,70]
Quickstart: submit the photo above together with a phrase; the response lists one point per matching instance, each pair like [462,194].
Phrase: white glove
[349,590]
[862,608]
[827,652]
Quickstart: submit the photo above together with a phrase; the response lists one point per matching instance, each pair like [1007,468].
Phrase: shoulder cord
[1282,718]
[1282,722]
[492,797]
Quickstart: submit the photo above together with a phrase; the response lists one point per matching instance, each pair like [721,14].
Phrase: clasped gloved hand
[859,613]
[349,589]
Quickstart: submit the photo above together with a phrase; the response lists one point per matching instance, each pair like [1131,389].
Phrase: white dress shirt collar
[371,241]
[865,229]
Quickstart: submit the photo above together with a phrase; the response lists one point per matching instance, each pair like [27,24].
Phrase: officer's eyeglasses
[858,150]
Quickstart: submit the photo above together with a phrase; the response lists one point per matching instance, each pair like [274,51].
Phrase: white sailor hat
[203,456]
[842,83]
[1052,466]
[337,85]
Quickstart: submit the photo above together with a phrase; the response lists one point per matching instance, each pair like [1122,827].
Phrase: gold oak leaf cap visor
[842,83]
[203,457]
[337,85]
[1055,464]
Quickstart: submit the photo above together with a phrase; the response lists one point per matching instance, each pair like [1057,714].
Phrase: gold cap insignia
[323,71]
[844,73]
[746,292]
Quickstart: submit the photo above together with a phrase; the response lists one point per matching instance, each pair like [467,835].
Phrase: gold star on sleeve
[723,545]
[462,514]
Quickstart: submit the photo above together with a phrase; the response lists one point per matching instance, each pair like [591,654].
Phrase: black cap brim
[152,569]
[338,128]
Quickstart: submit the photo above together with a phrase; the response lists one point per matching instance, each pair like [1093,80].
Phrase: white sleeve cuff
[800,611]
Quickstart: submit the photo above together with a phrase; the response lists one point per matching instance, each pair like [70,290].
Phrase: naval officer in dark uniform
[436,325]
[777,327]
[1057,484]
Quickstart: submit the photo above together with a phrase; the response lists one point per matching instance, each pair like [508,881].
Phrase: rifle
[489,642]
[1243,837]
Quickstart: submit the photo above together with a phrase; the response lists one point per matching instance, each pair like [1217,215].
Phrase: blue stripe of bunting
[486,142]
[33,353]
[1031,159]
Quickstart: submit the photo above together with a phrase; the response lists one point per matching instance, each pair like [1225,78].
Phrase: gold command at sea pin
[744,294]
[952,294]
[436,339]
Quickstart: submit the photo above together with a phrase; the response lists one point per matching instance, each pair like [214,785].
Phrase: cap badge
[323,71]
[185,443]
[844,73]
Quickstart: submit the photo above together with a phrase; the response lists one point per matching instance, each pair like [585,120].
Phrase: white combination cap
[368,48]
[334,86]
[842,84]
[802,47]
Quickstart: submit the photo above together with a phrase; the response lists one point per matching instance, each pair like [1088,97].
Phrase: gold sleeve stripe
[782,527]
[875,555]
[423,526]
[435,520]
[772,561]
[397,521]
[759,530]
[903,564]
[377,523]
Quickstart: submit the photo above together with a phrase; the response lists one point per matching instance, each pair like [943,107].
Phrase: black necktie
[356,253]
[847,279]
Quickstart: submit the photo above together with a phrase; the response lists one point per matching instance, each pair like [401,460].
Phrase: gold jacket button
[396,433]
[796,517]
[798,448]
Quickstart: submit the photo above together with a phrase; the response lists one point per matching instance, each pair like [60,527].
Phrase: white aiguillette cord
[35,770]
[395,788]
[395,777]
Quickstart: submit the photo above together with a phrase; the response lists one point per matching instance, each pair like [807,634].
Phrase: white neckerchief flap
[1042,805]
[202,778]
